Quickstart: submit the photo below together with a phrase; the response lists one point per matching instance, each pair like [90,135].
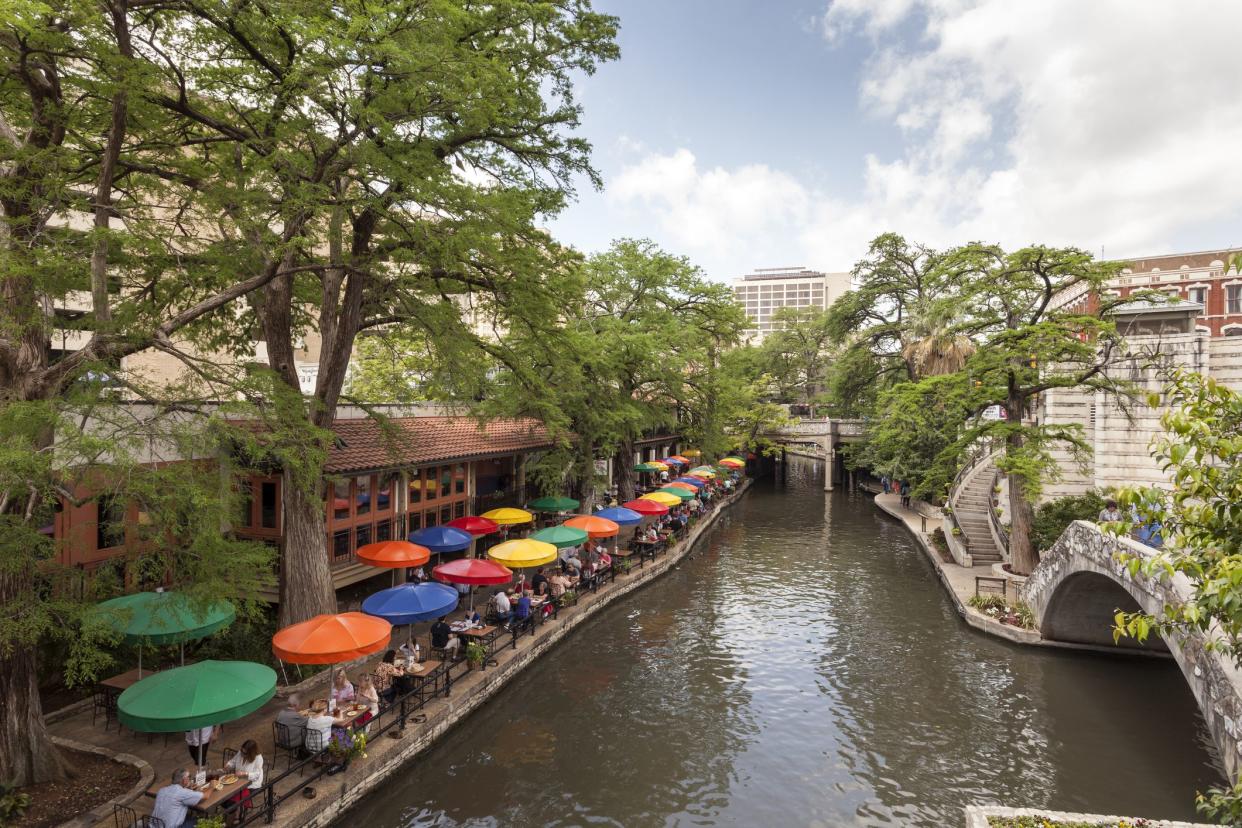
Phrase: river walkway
[467,690]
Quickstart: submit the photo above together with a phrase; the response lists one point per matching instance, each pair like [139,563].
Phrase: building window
[363,494]
[430,483]
[446,481]
[1197,294]
[340,545]
[459,478]
[340,501]
[416,486]
[110,523]
[387,489]
[245,504]
[383,531]
[1233,299]
[1235,330]
[267,505]
[460,509]
[362,536]
[430,518]
[415,521]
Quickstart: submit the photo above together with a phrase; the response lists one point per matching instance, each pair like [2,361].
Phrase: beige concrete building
[762,293]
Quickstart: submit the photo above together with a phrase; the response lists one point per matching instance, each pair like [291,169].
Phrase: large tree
[796,356]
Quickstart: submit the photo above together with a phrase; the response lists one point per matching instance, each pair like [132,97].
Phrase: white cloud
[1104,123]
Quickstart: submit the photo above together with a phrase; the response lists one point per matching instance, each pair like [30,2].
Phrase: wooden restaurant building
[383,481]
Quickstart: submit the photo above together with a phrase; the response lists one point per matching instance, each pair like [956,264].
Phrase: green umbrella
[206,693]
[684,494]
[553,504]
[560,536]
[646,467]
[163,618]
[704,469]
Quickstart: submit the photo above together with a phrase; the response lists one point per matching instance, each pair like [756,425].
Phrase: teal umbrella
[560,536]
[206,693]
[164,617]
[553,504]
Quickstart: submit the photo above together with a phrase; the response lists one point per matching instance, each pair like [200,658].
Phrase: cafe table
[212,798]
[120,683]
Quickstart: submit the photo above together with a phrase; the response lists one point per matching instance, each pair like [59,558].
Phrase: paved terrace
[399,733]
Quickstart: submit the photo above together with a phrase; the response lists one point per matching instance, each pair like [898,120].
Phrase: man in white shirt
[173,802]
[504,611]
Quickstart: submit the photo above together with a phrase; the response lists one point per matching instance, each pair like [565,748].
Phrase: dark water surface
[805,668]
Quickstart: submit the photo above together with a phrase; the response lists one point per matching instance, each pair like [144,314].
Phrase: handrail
[1000,532]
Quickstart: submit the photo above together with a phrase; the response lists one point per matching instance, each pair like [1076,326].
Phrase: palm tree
[935,344]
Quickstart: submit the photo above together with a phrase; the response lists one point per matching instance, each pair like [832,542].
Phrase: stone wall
[1082,580]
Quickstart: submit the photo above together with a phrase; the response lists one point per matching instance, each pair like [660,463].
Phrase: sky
[773,133]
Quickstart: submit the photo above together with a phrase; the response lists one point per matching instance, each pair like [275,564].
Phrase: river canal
[805,668]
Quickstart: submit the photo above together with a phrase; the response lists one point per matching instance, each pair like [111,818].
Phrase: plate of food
[229,778]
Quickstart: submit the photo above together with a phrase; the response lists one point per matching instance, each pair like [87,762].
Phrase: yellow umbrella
[659,466]
[705,475]
[663,498]
[522,553]
[508,516]
[691,453]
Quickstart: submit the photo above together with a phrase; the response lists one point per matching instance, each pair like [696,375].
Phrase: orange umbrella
[331,639]
[675,485]
[596,527]
[394,554]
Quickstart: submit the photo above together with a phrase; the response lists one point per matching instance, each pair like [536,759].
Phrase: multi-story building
[764,292]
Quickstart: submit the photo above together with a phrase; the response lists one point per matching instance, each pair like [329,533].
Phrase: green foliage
[996,607]
[1200,515]
[13,804]
[1221,805]
[796,357]
[1049,822]
[1052,518]
[475,653]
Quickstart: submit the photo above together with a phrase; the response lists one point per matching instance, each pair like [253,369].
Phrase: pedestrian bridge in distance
[823,436]
[1081,583]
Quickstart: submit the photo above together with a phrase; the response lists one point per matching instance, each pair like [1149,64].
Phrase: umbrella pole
[182,653]
[282,671]
[139,661]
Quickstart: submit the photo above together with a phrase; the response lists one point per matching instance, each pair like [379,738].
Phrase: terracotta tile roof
[366,444]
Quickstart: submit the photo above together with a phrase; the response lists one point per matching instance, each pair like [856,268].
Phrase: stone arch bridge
[1079,586]
[824,437]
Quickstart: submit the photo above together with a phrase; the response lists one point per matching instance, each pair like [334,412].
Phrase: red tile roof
[366,444]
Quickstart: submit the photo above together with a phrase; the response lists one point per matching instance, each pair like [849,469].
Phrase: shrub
[1053,517]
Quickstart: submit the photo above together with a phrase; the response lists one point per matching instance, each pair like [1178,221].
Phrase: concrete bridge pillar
[830,464]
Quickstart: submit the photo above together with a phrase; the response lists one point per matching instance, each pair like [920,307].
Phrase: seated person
[575,565]
[558,583]
[500,602]
[388,673]
[537,583]
[521,610]
[342,689]
[319,729]
[442,638]
[292,719]
[605,560]
[174,801]
[368,695]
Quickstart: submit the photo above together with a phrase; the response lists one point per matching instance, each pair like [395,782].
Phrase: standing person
[905,493]
[174,801]
[247,764]
[884,483]
[198,742]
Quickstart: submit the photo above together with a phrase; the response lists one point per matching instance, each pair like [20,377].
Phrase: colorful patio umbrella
[406,603]
[553,504]
[678,484]
[680,459]
[733,463]
[162,617]
[662,497]
[522,553]
[659,465]
[593,525]
[704,469]
[674,461]
[691,453]
[560,536]
[331,639]
[646,507]
[477,526]
[696,482]
[680,494]
[206,693]
[508,516]
[646,467]
[472,571]
[620,515]
[394,554]
[442,538]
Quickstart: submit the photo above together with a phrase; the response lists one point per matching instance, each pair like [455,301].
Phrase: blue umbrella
[407,603]
[693,481]
[620,515]
[442,538]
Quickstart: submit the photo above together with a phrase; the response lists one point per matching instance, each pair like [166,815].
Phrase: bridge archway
[1081,611]
[1083,580]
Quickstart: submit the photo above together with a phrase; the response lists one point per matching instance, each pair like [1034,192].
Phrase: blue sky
[753,134]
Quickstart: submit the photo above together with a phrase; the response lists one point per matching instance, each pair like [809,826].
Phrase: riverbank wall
[388,757]
[980,816]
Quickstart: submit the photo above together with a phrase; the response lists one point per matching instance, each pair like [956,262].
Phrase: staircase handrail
[1000,532]
[981,453]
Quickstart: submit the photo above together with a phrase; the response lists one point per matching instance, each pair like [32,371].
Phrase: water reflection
[804,668]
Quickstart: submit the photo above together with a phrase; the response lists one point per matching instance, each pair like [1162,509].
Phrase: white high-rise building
[762,293]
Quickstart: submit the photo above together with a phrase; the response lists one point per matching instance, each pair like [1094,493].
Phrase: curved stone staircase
[972,509]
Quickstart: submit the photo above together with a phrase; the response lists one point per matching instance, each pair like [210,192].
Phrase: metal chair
[103,701]
[125,817]
[286,740]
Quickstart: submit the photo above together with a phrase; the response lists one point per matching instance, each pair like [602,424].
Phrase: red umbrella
[646,507]
[473,571]
[394,554]
[474,525]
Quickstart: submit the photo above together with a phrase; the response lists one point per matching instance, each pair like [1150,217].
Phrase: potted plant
[475,653]
[210,822]
[344,747]
[568,598]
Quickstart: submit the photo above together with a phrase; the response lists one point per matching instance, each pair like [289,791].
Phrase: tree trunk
[305,575]
[27,753]
[1023,556]
[623,471]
